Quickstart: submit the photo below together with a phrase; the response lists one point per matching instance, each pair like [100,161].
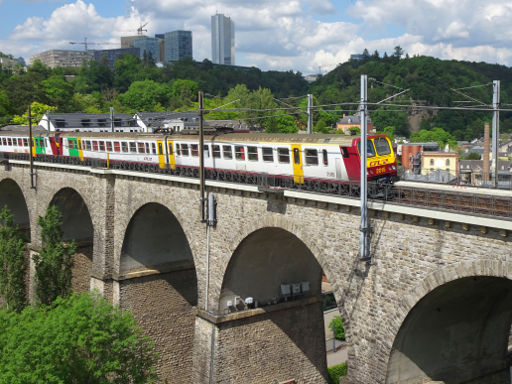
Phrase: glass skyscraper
[177,45]
[223,40]
[148,45]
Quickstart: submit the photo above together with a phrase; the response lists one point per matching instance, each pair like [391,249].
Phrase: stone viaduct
[434,305]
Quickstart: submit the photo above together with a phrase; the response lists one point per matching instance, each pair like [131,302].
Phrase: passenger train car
[318,162]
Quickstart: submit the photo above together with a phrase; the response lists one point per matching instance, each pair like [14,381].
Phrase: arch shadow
[12,196]
[458,330]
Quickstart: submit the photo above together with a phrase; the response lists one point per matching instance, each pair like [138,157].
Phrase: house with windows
[89,122]
[349,124]
[440,161]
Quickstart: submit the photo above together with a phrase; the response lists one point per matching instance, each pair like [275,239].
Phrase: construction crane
[86,43]
[140,29]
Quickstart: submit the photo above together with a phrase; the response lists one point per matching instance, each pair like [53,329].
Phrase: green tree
[54,262]
[339,330]
[13,265]
[436,134]
[82,339]
[58,91]
[146,95]
[37,110]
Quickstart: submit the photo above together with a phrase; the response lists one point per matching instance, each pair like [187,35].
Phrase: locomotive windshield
[382,146]
[370,151]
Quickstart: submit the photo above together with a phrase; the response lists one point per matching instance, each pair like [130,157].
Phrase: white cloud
[290,34]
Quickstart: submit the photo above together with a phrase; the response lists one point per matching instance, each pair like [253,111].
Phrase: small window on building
[124,146]
[324,156]
[117,146]
[239,152]
[194,150]
[227,151]
[94,145]
[109,146]
[431,161]
[86,122]
[447,162]
[252,153]
[133,146]
[216,151]
[283,155]
[268,154]
[311,156]
[184,149]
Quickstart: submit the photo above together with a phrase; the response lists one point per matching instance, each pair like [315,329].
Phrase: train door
[172,158]
[298,172]
[80,150]
[73,148]
[161,153]
[40,145]
[337,165]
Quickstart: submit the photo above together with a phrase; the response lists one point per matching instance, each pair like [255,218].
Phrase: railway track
[486,202]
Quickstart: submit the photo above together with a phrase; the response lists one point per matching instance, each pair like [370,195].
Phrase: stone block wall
[163,306]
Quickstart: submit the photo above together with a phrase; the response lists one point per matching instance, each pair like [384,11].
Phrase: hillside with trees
[139,85]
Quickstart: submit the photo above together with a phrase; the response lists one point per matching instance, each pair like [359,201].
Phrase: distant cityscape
[163,48]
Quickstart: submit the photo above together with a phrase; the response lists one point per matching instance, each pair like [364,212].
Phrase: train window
[268,154]
[148,147]
[178,149]
[239,152]
[79,142]
[447,162]
[325,158]
[252,153]
[370,151]
[124,146]
[184,149]
[94,145]
[382,146]
[70,144]
[170,149]
[102,146]
[206,149]
[9,141]
[142,148]
[283,155]
[160,149]
[227,151]
[109,146]
[25,142]
[117,146]
[311,156]
[153,148]
[296,155]
[194,150]
[4,141]
[133,146]
[20,143]
[216,151]
[431,161]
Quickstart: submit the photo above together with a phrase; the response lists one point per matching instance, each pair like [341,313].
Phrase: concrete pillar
[277,343]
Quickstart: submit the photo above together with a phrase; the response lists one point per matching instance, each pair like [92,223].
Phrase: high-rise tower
[223,40]
[178,45]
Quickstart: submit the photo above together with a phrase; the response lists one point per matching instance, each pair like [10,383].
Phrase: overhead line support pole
[364,246]
[31,141]
[201,158]
[310,114]
[495,131]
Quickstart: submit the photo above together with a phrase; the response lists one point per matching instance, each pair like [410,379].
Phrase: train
[316,162]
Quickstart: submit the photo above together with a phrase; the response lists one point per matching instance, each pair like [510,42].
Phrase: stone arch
[277,270]
[481,308]
[12,195]
[77,225]
[300,233]
[158,284]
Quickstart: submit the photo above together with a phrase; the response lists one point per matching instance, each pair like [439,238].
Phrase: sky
[309,36]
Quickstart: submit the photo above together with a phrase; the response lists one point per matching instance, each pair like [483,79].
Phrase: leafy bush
[82,339]
[336,371]
[339,331]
